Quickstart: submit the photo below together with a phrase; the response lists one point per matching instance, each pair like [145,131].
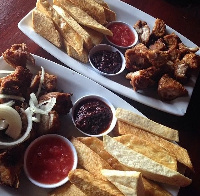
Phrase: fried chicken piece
[192,60]
[136,58]
[185,50]
[49,83]
[171,40]
[63,101]
[174,54]
[16,83]
[143,31]
[143,79]
[181,71]
[11,164]
[18,55]
[158,45]
[158,58]
[159,28]
[170,89]
[49,123]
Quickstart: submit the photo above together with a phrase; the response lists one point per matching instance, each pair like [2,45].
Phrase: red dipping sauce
[122,34]
[49,160]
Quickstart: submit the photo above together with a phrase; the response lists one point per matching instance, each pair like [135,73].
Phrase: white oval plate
[118,83]
[71,82]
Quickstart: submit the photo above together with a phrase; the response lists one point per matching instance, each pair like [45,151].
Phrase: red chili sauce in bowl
[92,116]
[123,35]
[49,159]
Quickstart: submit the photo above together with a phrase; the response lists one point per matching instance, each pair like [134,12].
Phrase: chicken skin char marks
[163,51]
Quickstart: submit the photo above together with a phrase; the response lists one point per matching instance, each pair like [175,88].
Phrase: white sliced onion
[4,96]
[6,71]
[3,124]
[41,81]
[26,134]
[9,103]
[12,117]
[42,108]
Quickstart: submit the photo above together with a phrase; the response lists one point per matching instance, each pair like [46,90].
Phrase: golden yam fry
[68,189]
[90,185]
[90,160]
[128,182]
[69,34]
[138,162]
[92,8]
[147,124]
[148,149]
[44,26]
[180,153]
[82,17]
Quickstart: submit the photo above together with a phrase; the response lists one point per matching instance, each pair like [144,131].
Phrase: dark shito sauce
[93,116]
[122,35]
[49,160]
[107,61]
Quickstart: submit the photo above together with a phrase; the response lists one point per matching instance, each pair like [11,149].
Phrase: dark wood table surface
[181,15]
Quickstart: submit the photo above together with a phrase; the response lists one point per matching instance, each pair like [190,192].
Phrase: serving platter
[118,84]
[71,82]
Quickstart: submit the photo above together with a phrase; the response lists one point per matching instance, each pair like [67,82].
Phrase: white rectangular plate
[117,84]
[71,82]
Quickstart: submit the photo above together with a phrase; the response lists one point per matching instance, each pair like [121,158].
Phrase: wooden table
[181,15]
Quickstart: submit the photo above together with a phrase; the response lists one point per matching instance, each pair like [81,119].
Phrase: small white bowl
[135,34]
[106,102]
[102,47]
[43,138]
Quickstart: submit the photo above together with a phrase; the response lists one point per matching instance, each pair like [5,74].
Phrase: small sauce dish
[107,60]
[124,35]
[48,160]
[94,115]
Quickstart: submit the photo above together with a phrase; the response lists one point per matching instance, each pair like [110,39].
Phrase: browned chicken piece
[192,60]
[11,164]
[172,40]
[158,58]
[16,83]
[184,49]
[143,31]
[170,89]
[49,123]
[143,79]
[136,58]
[158,45]
[18,55]
[63,101]
[181,72]
[49,83]
[159,28]
[174,54]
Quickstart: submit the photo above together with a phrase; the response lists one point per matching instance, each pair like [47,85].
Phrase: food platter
[118,83]
[68,81]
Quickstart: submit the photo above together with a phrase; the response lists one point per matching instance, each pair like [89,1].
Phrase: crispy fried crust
[91,186]
[44,26]
[154,152]
[149,168]
[180,153]
[68,189]
[89,160]
[83,18]
[147,124]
